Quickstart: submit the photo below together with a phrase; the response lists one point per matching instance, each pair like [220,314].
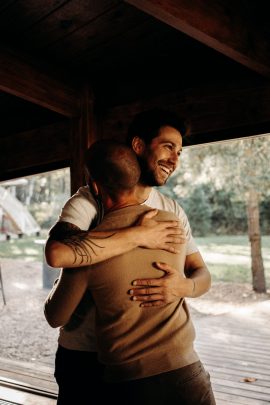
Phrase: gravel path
[24,332]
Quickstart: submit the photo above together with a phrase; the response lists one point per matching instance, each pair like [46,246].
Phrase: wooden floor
[26,384]
[234,347]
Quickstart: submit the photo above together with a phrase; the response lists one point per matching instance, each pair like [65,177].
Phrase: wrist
[136,236]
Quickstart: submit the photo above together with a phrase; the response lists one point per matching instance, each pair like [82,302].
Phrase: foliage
[212,182]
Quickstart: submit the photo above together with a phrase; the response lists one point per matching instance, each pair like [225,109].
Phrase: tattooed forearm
[63,230]
[85,247]
[69,246]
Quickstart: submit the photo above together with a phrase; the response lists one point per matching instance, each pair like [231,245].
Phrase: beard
[148,175]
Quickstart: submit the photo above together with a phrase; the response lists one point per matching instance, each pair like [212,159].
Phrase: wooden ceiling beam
[27,152]
[23,79]
[227,27]
[214,112]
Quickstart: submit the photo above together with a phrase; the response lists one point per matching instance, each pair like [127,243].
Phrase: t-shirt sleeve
[80,210]
[160,201]
[191,245]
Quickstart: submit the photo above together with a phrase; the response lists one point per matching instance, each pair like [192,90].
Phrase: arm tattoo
[63,230]
[84,247]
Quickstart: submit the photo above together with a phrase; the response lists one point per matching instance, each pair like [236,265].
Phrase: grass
[227,257]
[27,248]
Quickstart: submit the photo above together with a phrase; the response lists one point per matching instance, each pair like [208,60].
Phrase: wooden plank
[246,387]
[64,20]
[256,355]
[235,373]
[254,341]
[22,78]
[23,398]
[240,393]
[238,376]
[43,146]
[5,4]
[96,34]
[224,26]
[215,112]
[232,348]
[222,397]
[22,14]
[140,39]
[27,376]
[231,362]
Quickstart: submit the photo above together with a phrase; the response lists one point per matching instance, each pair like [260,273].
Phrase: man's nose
[174,157]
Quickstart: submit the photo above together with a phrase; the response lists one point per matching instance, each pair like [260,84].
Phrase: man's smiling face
[159,159]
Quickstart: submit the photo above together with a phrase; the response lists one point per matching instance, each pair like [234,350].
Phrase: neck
[121,202]
[142,192]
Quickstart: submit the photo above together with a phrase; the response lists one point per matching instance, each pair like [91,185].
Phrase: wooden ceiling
[72,71]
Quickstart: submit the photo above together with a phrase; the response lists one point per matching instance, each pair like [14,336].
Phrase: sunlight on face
[161,156]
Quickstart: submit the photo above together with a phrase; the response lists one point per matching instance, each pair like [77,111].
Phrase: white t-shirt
[81,210]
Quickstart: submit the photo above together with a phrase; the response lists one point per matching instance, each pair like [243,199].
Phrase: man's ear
[94,187]
[138,145]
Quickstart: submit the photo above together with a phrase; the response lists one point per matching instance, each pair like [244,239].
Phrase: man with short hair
[149,350]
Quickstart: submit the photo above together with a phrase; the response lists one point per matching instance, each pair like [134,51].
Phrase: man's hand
[163,235]
[160,291]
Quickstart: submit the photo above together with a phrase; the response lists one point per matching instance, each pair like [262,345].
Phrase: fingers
[165,267]
[171,226]
[150,214]
[147,282]
[148,296]
[158,303]
[144,294]
[175,239]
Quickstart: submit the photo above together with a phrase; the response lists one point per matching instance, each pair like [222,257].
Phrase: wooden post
[83,133]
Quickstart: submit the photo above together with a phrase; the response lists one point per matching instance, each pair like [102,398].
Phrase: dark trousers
[79,377]
[189,385]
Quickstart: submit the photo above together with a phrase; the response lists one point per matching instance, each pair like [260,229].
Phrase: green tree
[240,168]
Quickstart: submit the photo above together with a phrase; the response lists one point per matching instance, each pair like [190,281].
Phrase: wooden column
[83,133]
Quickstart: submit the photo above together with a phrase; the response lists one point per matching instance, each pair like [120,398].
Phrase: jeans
[189,385]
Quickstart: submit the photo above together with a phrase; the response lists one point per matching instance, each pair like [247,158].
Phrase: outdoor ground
[25,335]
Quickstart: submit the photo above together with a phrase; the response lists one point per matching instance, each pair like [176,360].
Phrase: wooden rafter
[22,79]
[215,112]
[221,25]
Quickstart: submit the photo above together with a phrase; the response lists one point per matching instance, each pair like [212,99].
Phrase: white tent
[18,216]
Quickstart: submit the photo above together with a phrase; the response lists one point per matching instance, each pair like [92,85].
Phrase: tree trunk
[254,233]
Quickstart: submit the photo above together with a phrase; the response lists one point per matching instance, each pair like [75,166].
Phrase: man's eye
[168,146]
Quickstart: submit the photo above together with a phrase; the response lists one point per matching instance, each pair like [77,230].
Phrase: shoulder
[162,202]
[80,209]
